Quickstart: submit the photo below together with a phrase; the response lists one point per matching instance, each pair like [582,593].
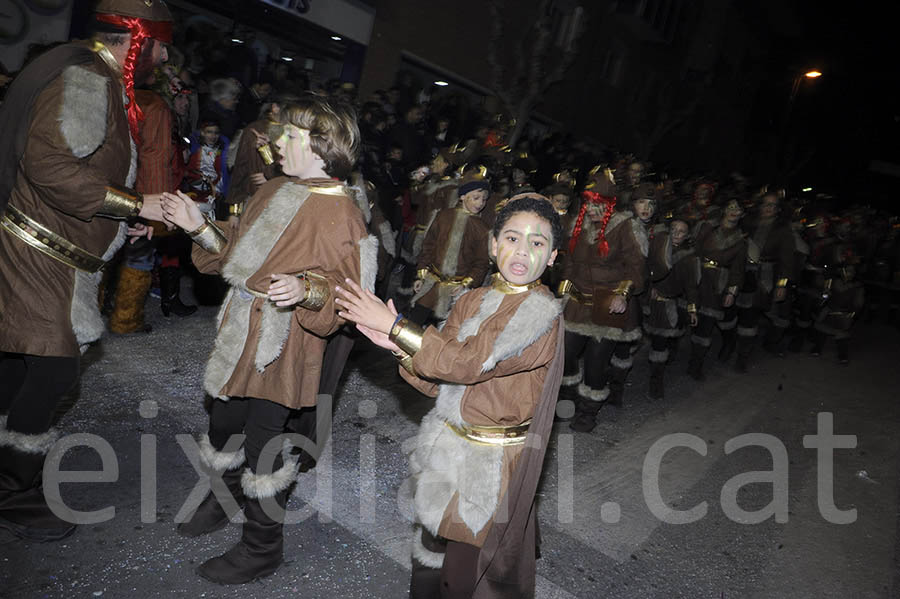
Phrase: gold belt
[441,279]
[49,243]
[710,263]
[567,287]
[492,435]
[662,298]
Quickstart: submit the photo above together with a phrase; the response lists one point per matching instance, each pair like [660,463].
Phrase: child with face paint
[495,368]
[672,302]
[453,257]
[604,271]
[301,235]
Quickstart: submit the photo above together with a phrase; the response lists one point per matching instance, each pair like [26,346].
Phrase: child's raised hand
[178,209]
[364,308]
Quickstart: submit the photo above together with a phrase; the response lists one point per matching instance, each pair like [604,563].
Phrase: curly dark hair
[542,208]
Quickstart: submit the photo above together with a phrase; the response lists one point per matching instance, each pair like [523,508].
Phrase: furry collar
[255,245]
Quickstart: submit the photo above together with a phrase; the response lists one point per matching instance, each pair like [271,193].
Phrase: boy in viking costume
[67,171]
[495,368]
[438,192]
[722,251]
[674,271]
[299,236]
[603,272]
[453,257]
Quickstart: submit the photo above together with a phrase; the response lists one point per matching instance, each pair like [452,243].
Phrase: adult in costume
[67,171]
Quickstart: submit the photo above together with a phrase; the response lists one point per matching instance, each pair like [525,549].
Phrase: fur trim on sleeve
[368,262]
[85,103]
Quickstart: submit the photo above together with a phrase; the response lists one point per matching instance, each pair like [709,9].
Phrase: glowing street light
[336,38]
[813,74]
[441,83]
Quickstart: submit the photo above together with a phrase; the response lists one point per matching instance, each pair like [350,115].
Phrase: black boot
[818,339]
[260,551]
[774,343]
[657,385]
[695,364]
[23,508]
[729,340]
[843,350]
[586,415]
[744,346]
[673,344]
[170,302]
[211,515]
[798,339]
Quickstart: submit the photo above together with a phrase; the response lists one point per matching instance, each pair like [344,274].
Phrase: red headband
[140,29]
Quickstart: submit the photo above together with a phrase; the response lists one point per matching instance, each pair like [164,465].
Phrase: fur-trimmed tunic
[589,271]
[429,199]
[78,143]
[491,357]
[674,276]
[276,353]
[728,249]
[248,161]
[456,245]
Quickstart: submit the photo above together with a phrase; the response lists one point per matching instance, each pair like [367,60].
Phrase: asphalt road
[607,521]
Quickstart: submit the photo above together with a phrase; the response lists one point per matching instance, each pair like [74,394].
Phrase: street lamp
[796,88]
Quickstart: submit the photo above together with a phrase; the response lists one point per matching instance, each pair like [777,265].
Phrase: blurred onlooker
[222,104]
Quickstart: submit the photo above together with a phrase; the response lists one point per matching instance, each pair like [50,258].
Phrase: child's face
[474,201]
[524,248]
[297,157]
[560,202]
[644,209]
[210,135]
[679,232]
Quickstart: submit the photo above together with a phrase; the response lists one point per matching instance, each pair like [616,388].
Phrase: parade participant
[495,368]
[560,195]
[722,251]
[628,181]
[67,154]
[674,271]
[770,254]
[603,272]
[452,258]
[436,193]
[159,169]
[255,162]
[842,299]
[814,272]
[301,235]
[701,208]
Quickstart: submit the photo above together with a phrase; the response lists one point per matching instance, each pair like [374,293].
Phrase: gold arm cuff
[422,273]
[235,209]
[691,308]
[492,435]
[317,291]
[782,283]
[624,289]
[266,153]
[567,287]
[732,290]
[408,336]
[209,237]
[405,361]
[119,203]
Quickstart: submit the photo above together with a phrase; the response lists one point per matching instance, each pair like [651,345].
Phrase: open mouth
[518,269]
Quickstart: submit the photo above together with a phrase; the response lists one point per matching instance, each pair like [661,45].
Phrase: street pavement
[602,535]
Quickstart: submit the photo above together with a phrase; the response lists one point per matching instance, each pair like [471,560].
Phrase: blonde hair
[333,131]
